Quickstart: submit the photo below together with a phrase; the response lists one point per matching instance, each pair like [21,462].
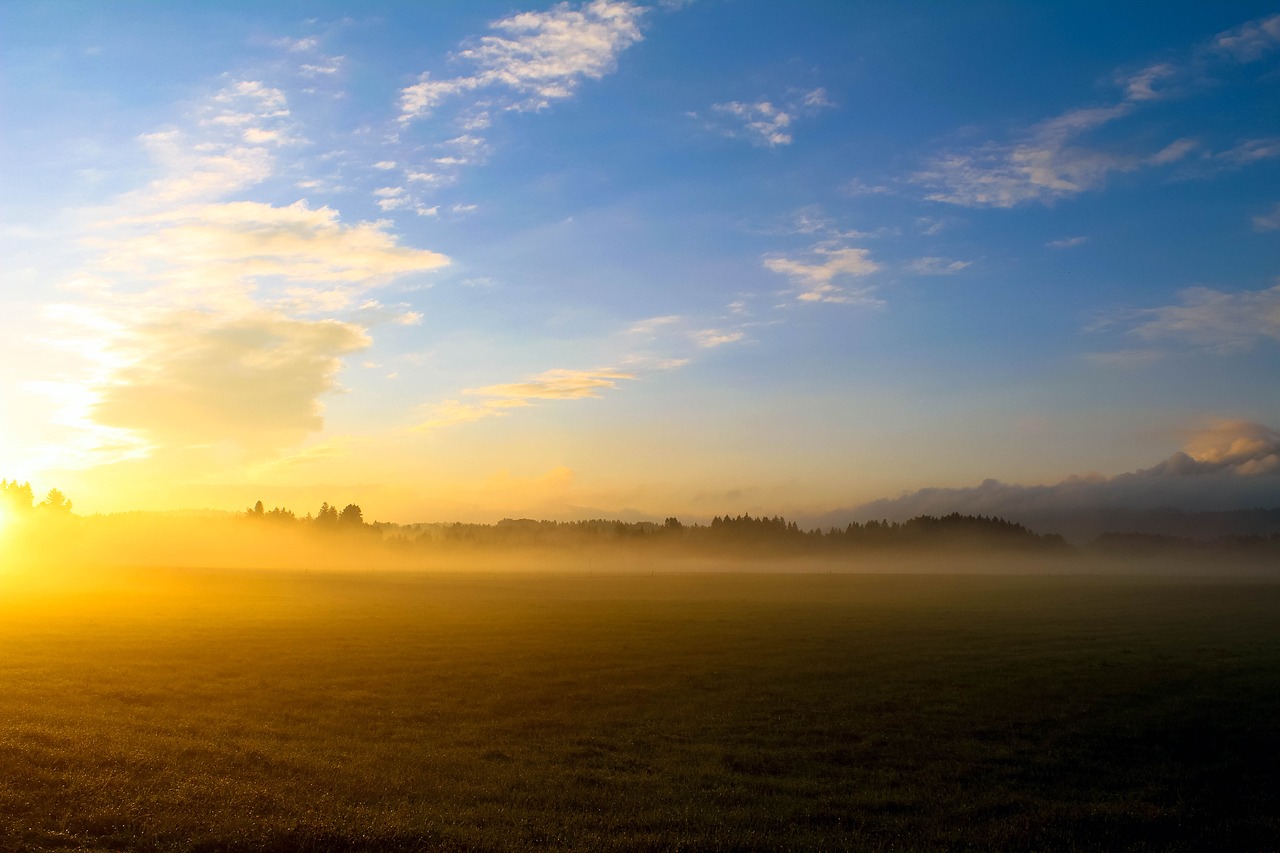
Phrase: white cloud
[224,249]
[1067,242]
[556,385]
[1250,151]
[536,57]
[1250,41]
[1045,165]
[761,122]
[1212,319]
[391,198]
[1051,160]
[1142,85]
[654,325]
[764,122]
[815,282]
[709,338]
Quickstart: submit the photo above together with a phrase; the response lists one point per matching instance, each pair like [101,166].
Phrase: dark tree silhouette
[351,516]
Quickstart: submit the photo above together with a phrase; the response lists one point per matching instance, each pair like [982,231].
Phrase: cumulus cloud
[535,57]
[206,324]
[815,282]
[195,377]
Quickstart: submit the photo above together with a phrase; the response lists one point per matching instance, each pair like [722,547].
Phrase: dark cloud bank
[1226,481]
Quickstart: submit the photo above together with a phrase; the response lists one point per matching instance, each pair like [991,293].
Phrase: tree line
[744,532]
[19,498]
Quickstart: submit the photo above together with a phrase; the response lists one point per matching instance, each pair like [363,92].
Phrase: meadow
[204,710]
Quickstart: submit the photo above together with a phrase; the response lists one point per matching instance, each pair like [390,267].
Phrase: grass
[215,711]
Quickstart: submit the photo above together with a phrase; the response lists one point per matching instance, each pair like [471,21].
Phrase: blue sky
[474,259]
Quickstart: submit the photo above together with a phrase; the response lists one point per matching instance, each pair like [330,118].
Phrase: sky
[468,260]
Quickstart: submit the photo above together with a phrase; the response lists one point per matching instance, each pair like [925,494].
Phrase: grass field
[166,710]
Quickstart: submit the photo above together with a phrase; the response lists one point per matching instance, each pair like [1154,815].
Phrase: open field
[167,710]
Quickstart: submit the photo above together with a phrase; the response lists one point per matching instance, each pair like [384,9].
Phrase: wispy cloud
[1268,222]
[535,57]
[1054,159]
[937,266]
[710,338]
[556,385]
[1067,242]
[1208,319]
[559,384]
[816,281]
[1249,41]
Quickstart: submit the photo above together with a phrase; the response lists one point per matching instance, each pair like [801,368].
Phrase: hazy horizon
[468,261]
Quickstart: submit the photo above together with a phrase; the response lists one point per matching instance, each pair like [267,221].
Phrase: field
[238,711]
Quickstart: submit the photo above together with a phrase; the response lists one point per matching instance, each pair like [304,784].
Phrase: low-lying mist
[48,546]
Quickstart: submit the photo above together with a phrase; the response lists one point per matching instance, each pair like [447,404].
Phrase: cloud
[391,198]
[1212,319]
[221,250]
[229,147]
[1142,85]
[1250,151]
[1268,222]
[1228,465]
[653,325]
[1044,166]
[1125,359]
[1050,160]
[1250,41]
[763,122]
[556,385]
[815,281]
[709,338]
[937,266]
[1067,242]
[449,412]
[535,57]
[195,377]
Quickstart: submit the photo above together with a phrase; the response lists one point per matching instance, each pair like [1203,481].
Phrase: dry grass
[234,711]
